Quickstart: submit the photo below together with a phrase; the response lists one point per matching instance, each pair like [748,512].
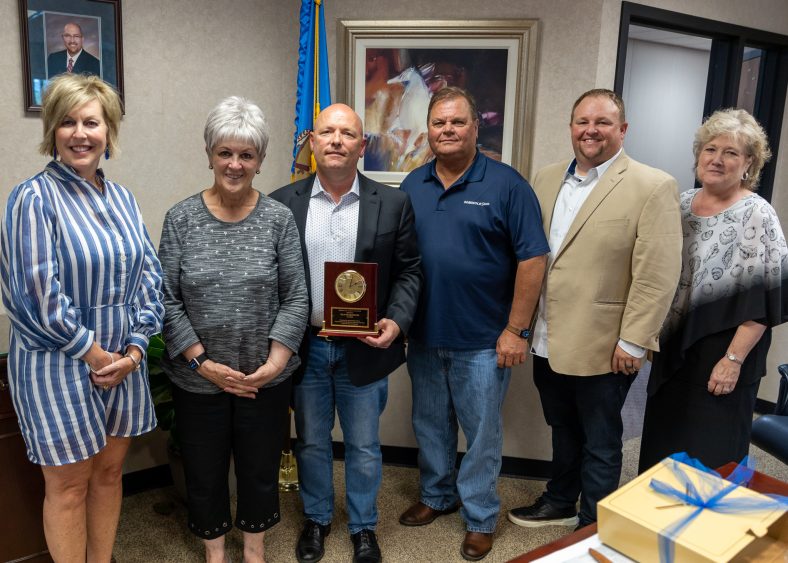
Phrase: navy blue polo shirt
[471,238]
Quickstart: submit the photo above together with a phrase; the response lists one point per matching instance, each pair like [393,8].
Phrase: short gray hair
[742,128]
[238,119]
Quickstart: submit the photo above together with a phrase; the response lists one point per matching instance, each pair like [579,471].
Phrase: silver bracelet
[133,359]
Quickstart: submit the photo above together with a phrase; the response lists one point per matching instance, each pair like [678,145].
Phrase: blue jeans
[465,386]
[326,385]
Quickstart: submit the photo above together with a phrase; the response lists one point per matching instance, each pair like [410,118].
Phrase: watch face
[350,286]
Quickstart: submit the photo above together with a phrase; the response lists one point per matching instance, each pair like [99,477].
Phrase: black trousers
[584,413]
[213,427]
[682,416]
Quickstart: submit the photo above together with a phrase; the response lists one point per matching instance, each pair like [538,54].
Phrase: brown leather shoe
[420,514]
[476,546]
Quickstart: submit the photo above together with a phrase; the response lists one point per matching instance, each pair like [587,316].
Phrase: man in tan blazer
[615,238]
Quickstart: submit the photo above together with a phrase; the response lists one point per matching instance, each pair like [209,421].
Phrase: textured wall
[182,56]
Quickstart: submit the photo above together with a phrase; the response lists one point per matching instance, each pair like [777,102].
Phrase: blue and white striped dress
[77,267]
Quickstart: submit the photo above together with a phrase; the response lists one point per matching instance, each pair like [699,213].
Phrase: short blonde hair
[69,91]
[742,128]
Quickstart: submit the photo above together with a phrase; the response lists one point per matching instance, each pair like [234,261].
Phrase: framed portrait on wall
[80,36]
[388,71]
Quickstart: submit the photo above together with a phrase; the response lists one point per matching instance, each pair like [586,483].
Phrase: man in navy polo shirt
[483,257]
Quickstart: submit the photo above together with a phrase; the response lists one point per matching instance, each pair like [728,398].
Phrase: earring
[106,153]
[54,153]
[210,167]
[746,176]
[258,171]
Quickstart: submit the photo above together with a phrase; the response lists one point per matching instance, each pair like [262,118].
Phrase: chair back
[782,396]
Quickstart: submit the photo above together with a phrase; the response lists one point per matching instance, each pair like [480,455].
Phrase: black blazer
[85,64]
[386,235]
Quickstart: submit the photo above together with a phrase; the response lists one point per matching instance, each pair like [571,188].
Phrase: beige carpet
[145,536]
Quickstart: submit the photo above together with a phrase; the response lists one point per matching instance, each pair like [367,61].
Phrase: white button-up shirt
[574,192]
[330,236]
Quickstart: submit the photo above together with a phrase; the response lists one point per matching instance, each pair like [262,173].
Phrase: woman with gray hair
[732,290]
[236,308]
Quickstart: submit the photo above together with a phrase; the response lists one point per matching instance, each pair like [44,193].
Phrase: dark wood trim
[159,476]
[762,406]
[728,43]
[695,25]
[117,25]
[510,467]
[146,480]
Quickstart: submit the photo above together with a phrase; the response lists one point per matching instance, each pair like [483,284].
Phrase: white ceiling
[669,38]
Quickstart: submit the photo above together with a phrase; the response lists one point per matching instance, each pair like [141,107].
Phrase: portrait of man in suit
[74,58]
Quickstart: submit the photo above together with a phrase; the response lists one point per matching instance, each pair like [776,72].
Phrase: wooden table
[21,489]
[760,483]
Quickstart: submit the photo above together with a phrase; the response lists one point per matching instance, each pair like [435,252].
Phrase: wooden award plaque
[350,299]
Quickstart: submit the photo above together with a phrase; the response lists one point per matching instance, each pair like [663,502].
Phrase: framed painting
[388,71]
[80,36]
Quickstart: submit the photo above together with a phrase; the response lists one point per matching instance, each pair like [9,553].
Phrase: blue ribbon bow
[709,494]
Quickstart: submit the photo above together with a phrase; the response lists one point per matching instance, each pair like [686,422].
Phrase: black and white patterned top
[232,287]
[728,253]
[734,269]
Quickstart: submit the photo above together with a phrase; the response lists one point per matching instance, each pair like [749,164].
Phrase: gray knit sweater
[231,286]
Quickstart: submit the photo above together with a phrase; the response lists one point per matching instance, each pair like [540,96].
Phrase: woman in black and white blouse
[733,289]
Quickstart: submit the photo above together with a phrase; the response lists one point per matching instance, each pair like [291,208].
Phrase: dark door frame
[728,43]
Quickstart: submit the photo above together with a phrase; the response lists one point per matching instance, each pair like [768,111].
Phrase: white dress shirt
[574,192]
[330,236]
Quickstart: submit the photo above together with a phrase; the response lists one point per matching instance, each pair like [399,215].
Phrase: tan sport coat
[617,271]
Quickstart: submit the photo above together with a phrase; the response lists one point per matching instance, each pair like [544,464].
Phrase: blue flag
[314,89]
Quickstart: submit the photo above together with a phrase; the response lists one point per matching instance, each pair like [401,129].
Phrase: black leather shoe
[309,548]
[365,547]
[542,513]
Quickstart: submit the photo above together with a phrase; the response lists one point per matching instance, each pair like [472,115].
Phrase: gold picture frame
[387,70]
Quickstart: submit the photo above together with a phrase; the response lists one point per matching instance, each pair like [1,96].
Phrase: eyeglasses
[68,36]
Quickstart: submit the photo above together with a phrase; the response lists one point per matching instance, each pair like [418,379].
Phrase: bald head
[337,143]
[343,111]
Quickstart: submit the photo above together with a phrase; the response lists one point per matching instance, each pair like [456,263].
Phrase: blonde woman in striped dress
[82,287]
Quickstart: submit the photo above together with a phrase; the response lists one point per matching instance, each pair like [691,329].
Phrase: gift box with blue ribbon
[682,511]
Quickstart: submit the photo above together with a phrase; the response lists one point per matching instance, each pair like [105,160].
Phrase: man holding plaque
[483,256]
[615,234]
[344,217]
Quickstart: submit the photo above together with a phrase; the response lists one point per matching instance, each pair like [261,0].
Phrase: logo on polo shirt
[479,203]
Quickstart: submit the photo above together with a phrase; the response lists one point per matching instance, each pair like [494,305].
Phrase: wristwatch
[197,361]
[734,359]
[521,332]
